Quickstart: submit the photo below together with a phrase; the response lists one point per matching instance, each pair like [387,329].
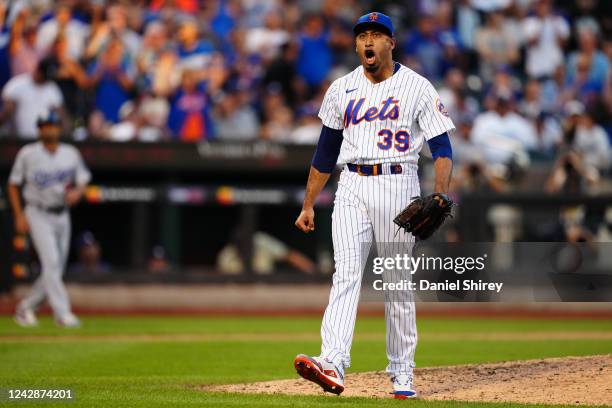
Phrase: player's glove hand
[424,216]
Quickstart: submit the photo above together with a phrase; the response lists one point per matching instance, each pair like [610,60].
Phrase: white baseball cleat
[25,318]
[402,387]
[68,320]
[321,372]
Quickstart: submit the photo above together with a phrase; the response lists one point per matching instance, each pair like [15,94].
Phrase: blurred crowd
[522,79]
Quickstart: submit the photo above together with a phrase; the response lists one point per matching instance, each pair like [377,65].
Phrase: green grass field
[162,361]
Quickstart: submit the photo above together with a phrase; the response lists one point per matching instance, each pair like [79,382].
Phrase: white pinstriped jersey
[385,122]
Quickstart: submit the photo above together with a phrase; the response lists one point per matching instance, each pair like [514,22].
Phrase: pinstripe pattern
[362,214]
[418,115]
[364,207]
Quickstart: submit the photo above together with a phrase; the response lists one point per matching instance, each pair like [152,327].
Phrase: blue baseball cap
[49,118]
[374,20]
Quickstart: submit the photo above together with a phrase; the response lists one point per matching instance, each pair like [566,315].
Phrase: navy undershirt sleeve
[440,146]
[328,150]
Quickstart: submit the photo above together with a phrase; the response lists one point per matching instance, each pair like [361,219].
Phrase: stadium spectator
[144,120]
[267,250]
[314,46]
[504,135]
[282,72]
[153,118]
[339,17]
[553,92]
[545,33]
[152,63]
[423,51]
[163,77]
[234,118]
[216,74]
[514,16]
[114,27]
[592,143]
[584,153]
[189,118]
[475,177]
[242,68]
[278,125]
[71,79]
[27,97]
[465,151]
[223,21]
[547,128]
[90,263]
[308,126]
[127,127]
[468,22]
[448,36]
[113,79]
[588,68]
[580,86]
[463,109]
[96,126]
[549,135]
[277,117]
[63,24]
[193,53]
[569,175]
[23,53]
[504,83]
[158,261]
[496,45]
[454,95]
[531,104]
[267,40]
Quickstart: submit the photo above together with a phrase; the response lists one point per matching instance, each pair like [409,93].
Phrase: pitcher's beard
[373,68]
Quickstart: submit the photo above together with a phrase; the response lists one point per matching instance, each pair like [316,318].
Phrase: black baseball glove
[424,216]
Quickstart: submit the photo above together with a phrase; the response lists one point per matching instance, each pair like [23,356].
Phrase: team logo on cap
[441,108]
[373,16]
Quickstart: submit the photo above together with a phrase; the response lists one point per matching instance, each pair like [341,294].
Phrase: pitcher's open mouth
[370,57]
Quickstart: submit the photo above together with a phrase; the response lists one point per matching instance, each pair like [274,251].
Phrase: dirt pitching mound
[567,380]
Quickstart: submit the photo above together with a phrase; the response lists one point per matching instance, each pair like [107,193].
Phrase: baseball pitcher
[375,121]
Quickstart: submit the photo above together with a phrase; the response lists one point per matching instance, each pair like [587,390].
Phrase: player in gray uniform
[52,177]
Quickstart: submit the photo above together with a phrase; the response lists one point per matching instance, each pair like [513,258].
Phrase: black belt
[373,169]
[58,209]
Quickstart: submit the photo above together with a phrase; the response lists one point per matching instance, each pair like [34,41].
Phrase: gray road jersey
[45,175]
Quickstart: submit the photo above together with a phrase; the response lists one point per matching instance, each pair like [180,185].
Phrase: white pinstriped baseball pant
[364,209]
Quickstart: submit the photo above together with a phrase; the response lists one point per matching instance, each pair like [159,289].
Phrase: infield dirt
[566,380]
